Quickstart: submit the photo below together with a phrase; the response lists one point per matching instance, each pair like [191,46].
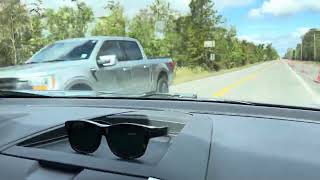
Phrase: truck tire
[81,87]
[163,85]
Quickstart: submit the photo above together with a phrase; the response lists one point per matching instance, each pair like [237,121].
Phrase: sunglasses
[125,140]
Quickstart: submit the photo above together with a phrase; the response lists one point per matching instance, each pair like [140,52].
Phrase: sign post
[160,27]
[209,45]
[212,57]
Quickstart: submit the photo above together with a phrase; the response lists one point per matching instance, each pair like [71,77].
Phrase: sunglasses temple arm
[158,132]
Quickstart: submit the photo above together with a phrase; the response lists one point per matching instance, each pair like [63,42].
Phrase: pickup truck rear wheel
[162,85]
[80,87]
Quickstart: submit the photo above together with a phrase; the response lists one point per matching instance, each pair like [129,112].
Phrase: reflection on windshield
[68,50]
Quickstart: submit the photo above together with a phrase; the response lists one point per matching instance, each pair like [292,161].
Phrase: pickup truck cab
[111,64]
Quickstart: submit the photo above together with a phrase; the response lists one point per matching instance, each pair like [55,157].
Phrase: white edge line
[304,84]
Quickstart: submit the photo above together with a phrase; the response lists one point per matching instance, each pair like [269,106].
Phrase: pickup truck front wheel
[162,85]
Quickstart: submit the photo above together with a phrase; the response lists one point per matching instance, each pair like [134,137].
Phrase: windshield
[68,50]
[260,51]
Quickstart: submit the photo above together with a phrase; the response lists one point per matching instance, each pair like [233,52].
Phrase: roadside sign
[160,27]
[212,57]
[209,44]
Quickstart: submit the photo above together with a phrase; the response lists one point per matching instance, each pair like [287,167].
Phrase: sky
[280,22]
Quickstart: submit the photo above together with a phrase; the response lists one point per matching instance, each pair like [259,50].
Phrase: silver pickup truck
[110,64]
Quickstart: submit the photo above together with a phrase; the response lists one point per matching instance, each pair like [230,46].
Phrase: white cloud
[284,7]
[255,13]
[256,39]
[300,32]
[220,4]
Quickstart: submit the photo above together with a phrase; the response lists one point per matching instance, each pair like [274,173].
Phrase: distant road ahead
[271,82]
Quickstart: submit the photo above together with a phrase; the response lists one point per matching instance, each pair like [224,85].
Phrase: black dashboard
[208,140]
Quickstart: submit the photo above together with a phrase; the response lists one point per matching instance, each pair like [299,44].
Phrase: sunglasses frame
[150,132]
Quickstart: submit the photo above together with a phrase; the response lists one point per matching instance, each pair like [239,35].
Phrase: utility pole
[301,47]
[301,52]
[314,47]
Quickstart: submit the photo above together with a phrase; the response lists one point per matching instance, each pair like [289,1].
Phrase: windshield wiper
[103,94]
[192,97]
[32,62]
[54,60]
[170,96]
[20,94]
[47,61]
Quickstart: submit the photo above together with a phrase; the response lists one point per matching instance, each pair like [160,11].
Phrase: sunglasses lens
[127,141]
[84,137]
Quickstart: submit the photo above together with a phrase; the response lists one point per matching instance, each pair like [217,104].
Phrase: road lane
[271,82]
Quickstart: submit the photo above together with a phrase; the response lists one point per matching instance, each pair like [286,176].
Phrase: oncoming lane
[271,82]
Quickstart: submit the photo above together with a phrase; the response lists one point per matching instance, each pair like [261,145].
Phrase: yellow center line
[222,92]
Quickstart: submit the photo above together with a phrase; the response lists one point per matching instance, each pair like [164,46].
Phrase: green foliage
[290,54]
[68,22]
[143,27]
[114,23]
[198,27]
[298,52]
[22,31]
[14,25]
[310,47]
[310,40]
[161,30]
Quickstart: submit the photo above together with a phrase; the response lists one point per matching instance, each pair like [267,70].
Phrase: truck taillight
[171,65]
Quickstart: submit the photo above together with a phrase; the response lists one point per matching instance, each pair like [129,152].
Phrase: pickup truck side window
[131,50]
[111,48]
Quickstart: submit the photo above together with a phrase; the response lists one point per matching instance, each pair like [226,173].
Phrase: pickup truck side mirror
[108,60]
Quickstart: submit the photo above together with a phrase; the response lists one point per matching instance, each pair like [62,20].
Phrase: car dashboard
[206,141]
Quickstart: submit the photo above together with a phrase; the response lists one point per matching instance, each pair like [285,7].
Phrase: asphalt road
[272,82]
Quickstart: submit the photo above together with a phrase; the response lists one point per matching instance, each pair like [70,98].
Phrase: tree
[298,52]
[35,39]
[113,24]
[233,56]
[143,27]
[14,24]
[203,21]
[310,39]
[180,46]
[289,54]
[310,47]
[68,22]
[272,54]
[161,30]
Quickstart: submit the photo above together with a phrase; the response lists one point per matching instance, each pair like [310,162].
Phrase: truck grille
[8,83]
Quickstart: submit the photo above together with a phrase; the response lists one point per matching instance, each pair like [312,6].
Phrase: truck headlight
[41,83]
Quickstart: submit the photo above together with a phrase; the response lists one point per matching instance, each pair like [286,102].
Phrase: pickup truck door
[114,78]
[141,70]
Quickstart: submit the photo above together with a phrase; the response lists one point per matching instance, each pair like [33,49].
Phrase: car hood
[39,68]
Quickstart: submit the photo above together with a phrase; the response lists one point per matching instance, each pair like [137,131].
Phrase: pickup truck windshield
[68,50]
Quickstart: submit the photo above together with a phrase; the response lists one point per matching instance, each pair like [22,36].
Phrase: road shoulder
[185,75]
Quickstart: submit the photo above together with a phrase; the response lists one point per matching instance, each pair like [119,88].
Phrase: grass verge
[185,74]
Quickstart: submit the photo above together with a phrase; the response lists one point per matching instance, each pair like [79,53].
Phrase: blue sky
[280,22]
[274,21]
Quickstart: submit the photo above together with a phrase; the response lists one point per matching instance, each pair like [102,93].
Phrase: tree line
[163,31]
[308,49]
